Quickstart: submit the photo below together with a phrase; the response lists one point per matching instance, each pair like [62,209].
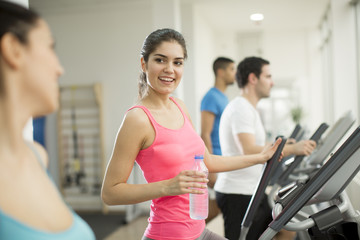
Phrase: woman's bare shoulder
[182,105]
[135,128]
[136,116]
[136,120]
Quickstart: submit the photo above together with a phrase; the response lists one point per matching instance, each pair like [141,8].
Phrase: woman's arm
[217,163]
[133,135]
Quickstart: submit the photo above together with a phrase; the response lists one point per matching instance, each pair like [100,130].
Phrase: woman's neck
[12,123]
[155,100]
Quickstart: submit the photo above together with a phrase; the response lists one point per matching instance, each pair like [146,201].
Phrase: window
[357,24]
[327,65]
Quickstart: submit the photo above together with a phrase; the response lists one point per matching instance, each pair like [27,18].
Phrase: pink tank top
[171,152]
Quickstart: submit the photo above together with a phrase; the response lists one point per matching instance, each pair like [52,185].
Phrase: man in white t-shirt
[242,132]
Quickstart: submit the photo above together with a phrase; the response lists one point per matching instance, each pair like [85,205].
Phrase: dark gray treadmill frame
[328,171]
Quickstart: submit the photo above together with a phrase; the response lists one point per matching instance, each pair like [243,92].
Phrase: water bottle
[199,202]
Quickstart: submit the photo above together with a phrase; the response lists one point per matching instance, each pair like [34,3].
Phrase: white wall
[204,55]
[189,78]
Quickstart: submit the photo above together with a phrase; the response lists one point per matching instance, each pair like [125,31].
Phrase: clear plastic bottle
[199,202]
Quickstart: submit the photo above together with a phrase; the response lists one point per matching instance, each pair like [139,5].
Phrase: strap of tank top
[181,110]
[37,155]
[148,113]
[152,120]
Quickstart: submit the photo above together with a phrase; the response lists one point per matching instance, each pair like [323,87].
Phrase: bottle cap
[199,156]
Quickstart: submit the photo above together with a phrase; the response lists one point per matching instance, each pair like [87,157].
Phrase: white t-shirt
[239,116]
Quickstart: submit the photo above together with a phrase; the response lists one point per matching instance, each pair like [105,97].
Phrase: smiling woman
[151,43]
[158,134]
[164,72]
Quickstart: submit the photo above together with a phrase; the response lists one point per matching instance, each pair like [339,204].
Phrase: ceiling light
[256,17]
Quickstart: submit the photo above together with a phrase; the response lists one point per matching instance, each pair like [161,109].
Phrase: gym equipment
[268,170]
[312,164]
[298,159]
[282,166]
[333,137]
[268,173]
[327,185]
[296,132]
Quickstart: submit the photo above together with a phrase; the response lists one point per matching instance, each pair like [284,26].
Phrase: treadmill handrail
[293,135]
[296,131]
[315,137]
[262,184]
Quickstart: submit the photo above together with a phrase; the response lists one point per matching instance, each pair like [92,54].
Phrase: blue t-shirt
[215,101]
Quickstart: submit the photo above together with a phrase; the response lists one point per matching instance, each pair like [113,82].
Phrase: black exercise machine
[327,185]
[268,170]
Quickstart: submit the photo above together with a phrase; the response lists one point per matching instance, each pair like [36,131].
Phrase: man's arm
[248,143]
[207,123]
[304,147]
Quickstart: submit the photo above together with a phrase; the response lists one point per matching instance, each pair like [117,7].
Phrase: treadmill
[268,170]
[268,175]
[333,137]
[296,134]
[298,159]
[337,221]
[322,152]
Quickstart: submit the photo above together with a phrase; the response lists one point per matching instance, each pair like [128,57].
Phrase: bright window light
[256,17]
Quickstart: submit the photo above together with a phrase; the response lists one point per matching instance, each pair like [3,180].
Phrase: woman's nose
[169,68]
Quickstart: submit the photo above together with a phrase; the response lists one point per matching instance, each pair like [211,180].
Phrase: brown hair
[18,21]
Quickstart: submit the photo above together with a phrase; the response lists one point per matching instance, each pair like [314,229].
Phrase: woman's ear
[11,50]
[143,65]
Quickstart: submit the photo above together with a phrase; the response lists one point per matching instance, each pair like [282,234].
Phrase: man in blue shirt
[212,106]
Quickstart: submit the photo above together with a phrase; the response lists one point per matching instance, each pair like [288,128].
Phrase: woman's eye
[178,63]
[159,60]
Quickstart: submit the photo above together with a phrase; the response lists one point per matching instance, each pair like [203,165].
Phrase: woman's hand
[187,181]
[270,149]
